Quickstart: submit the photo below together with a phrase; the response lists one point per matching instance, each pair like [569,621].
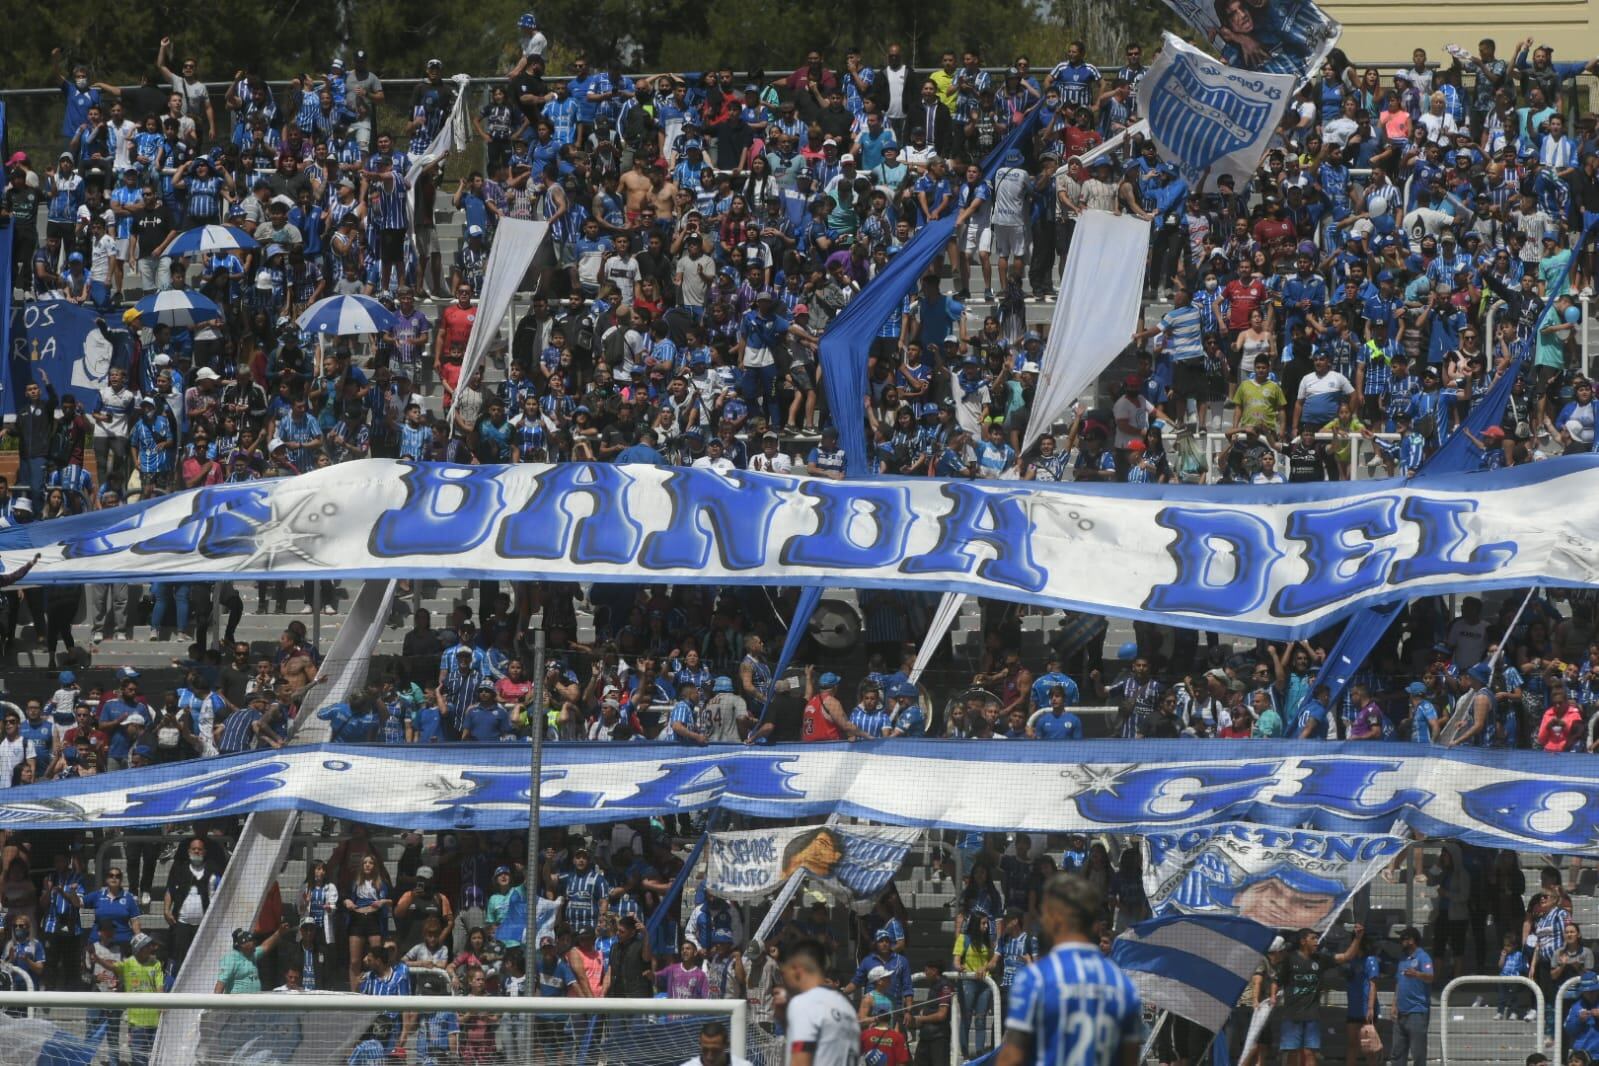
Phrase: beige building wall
[1387,30]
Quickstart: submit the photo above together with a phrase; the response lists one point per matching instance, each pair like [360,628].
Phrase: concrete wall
[1383,30]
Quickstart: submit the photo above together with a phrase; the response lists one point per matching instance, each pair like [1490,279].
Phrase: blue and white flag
[73,345]
[1208,118]
[1282,878]
[848,861]
[1264,36]
[1194,965]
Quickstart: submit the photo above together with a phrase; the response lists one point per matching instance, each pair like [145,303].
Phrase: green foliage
[292,36]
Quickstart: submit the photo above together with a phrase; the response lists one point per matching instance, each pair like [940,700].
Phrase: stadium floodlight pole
[536,720]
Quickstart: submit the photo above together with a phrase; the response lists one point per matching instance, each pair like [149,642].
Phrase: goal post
[343,1029]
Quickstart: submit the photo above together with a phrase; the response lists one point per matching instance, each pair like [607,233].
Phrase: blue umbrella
[343,316]
[203,239]
[176,307]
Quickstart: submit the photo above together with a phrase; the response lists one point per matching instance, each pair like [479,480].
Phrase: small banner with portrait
[1282,878]
[851,862]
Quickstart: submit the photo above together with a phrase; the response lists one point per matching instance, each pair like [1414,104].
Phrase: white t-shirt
[1334,382]
[623,273]
[825,1021]
[193,93]
[1469,640]
[1134,410]
[732,1060]
[777,464]
[1010,197]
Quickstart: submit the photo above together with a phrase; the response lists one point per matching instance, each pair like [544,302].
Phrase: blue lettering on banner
[1564,813]
[447,509]
[731,515]
[225,521]
[1164,794]
[103,541]
[237,789]
[993,517]
[1339,569]
[1197,590]
[840,507]
[1341,786]
[1443,532]
[546,529]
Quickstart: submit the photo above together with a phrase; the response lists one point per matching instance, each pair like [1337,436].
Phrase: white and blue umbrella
[203,239]
[343,316]
[176,307]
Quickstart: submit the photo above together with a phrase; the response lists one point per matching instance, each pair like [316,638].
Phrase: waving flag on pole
[1194,965]
[1208,118]
[1264,36]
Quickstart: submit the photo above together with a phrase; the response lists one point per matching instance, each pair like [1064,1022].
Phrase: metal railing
[1560,1023]
[1485,979]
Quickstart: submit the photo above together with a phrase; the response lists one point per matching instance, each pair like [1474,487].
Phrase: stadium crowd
[706,230]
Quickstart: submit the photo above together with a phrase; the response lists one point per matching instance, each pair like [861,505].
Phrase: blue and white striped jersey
[1078,1007]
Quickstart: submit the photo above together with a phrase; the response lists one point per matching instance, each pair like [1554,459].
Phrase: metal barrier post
[1443,1007]
[1586,347]
[1560,1027]
[956,1023]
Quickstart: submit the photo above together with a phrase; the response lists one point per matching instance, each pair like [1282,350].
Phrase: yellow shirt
[137,977]
[970,957]
[946,90]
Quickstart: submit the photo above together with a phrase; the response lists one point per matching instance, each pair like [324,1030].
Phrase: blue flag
[70,343]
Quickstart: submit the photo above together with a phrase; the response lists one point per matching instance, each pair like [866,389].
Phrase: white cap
[205,373]
[1029,367]
[877,973]
[274,444]
[134,719]
[162,360]
[22,503]
[847,157]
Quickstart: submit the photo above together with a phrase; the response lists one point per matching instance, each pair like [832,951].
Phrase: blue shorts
[1295,1035]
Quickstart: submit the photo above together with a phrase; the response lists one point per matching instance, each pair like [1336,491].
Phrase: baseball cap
[877,973]
[1415,688]
[424,873]
[827,680]
[723,684]
[67,678]
[242,937]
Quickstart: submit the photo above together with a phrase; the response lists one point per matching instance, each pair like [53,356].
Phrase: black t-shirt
[151,227]
[1300,976]
[1306,462]
[24,204]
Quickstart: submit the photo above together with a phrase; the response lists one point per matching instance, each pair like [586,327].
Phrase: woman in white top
[1254,342]
[1437,126]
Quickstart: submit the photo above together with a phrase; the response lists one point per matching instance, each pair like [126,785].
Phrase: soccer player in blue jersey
[1073,1006]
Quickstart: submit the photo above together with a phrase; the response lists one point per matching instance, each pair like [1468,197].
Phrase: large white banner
[1283,878]
[1275,561]
[849,861]
[1208,118]
[516,243]
[1095,316]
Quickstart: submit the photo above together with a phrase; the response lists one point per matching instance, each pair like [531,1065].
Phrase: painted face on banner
[1276,904]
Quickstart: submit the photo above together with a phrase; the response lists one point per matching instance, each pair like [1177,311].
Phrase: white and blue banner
[1283,878]
[1194,965]
[1265,36]
[74,346]
[1208,118]
[1280,561]
[850,862]
[1524,801]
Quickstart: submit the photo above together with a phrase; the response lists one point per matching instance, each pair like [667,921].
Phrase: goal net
[336,1029]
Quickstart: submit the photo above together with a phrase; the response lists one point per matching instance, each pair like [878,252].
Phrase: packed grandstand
[278,280]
